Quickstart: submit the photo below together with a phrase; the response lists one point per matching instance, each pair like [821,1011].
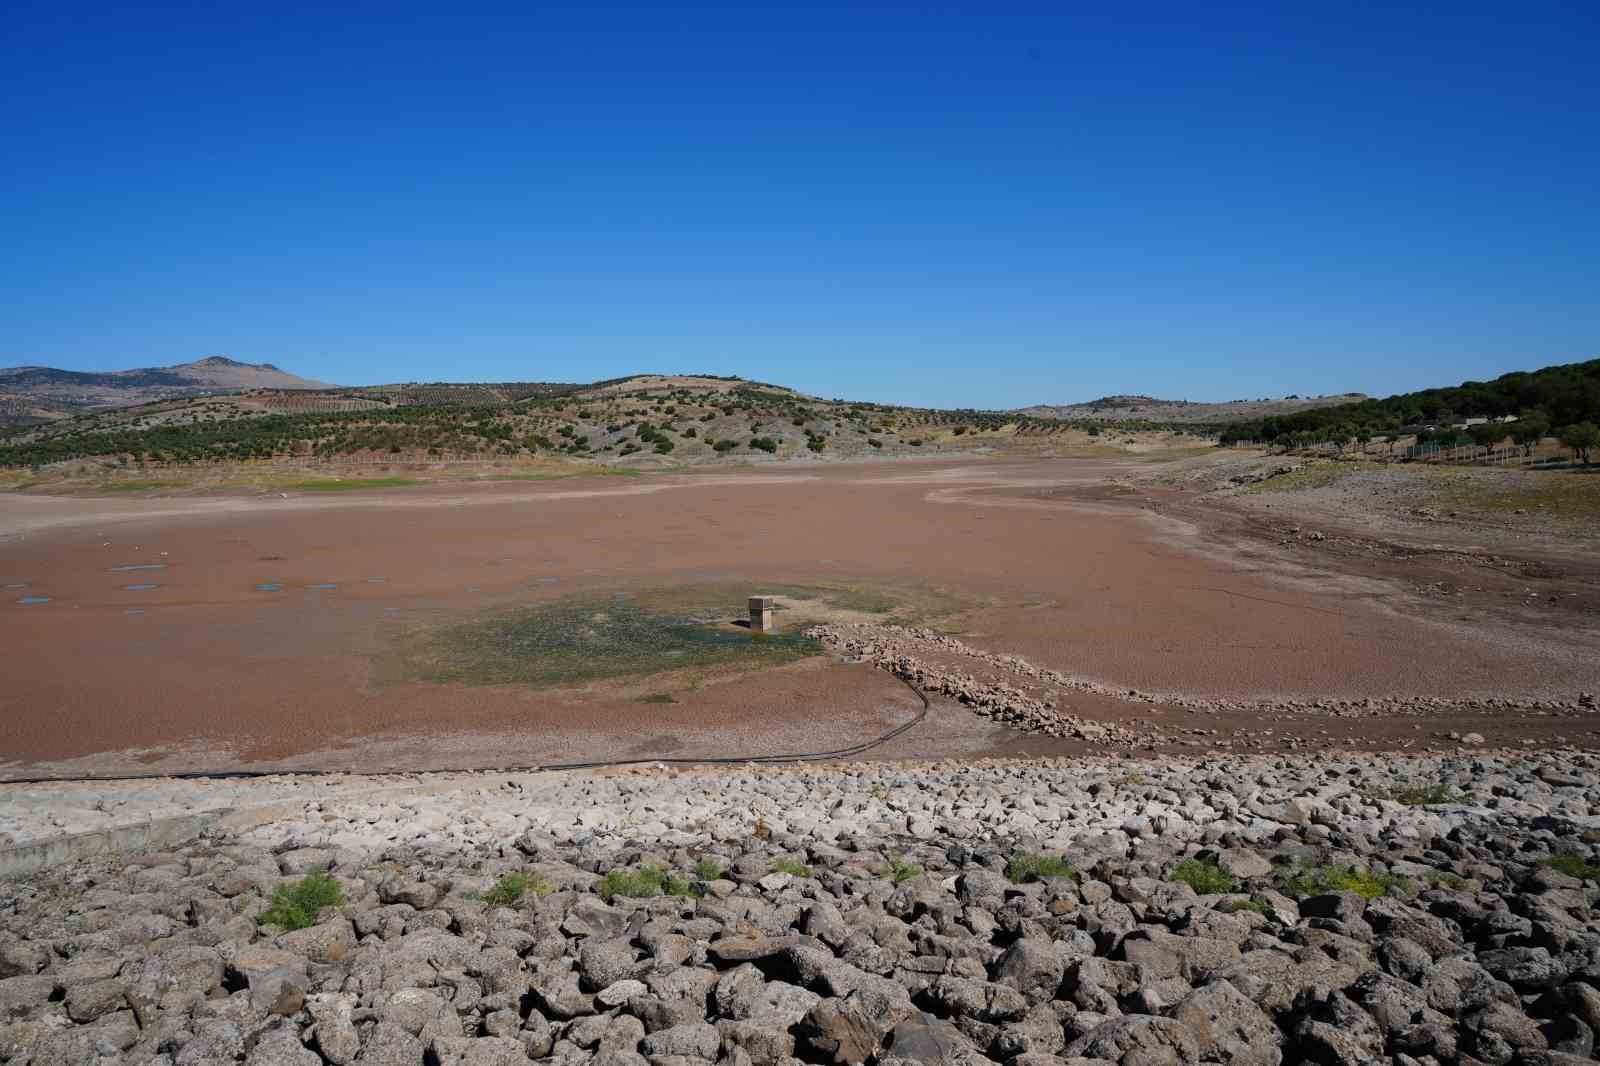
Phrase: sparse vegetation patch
[1025,867]
[1573,864]
[1204,876]
[642,883]
[296,906]
[587,639]
[1304,881]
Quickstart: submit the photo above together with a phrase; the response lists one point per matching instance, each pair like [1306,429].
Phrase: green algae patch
[574,641]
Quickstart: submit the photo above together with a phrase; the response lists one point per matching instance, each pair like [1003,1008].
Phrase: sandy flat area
[236,656]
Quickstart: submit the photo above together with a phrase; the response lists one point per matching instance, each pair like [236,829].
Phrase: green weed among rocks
[1316,880]
[1025,867]
[509,890]
[1573,865]
[1205,877]
[296,906]
[642,883]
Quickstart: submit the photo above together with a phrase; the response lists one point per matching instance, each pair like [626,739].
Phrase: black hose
[700,760]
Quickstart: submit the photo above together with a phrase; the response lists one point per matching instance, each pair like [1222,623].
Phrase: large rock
[477,1051]
[281,991]
[766,1044]
[1245,865]
[329,942]
[1228,1028]
[390,1045]
[603,962]
[281,1047]
[838,1032]
[1032,967]
[1334,1031]
[334,1028]
[87,1002]
[1194,958]
[930,1041]
[1138,1038]
[697,1040]
[421,1012]
[23,996]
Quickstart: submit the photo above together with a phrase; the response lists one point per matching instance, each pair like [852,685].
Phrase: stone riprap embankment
[1227,910]
[988,682]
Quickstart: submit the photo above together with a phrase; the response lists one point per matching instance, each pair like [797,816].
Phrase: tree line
[1563,400]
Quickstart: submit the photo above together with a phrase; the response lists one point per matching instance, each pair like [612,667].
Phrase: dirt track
[214,673]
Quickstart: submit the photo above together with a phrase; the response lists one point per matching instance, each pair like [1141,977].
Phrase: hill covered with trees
[1556,397]
[689,417]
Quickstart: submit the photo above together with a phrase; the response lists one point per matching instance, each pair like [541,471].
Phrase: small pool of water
[16,585]
[134,610]
[125,567]
[323,585]
[143,586]
[34,599]
[376,580]
[269,586]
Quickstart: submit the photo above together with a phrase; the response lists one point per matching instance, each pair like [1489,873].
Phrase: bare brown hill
[42,393]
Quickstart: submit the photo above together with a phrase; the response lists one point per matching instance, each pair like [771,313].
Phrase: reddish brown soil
[214,673]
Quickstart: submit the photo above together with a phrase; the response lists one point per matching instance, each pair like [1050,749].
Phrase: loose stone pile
[913,654]
[891,915]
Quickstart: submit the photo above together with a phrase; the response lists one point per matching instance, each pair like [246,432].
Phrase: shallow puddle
[34,599]
[143,586]
[269,586]
[125,567]
[323,585]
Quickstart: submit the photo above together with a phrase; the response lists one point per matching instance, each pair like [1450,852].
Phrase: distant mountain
[41,393]
[1149,408]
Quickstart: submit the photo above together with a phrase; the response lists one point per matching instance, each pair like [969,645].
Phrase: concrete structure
[761,614]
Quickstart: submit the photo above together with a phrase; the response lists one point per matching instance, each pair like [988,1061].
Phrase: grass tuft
[793,867]
[1573,864]
[1206,878]
[1024,868]
[1423,795]
[642,883]
[296,906]
[900,871]
[1316,880]
[1233,906]
[708,869]
[509,890]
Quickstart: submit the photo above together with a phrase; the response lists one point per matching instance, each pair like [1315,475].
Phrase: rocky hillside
[1227,911]
[648,419]
[39,393]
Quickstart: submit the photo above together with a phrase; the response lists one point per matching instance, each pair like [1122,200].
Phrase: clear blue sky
[984,204]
